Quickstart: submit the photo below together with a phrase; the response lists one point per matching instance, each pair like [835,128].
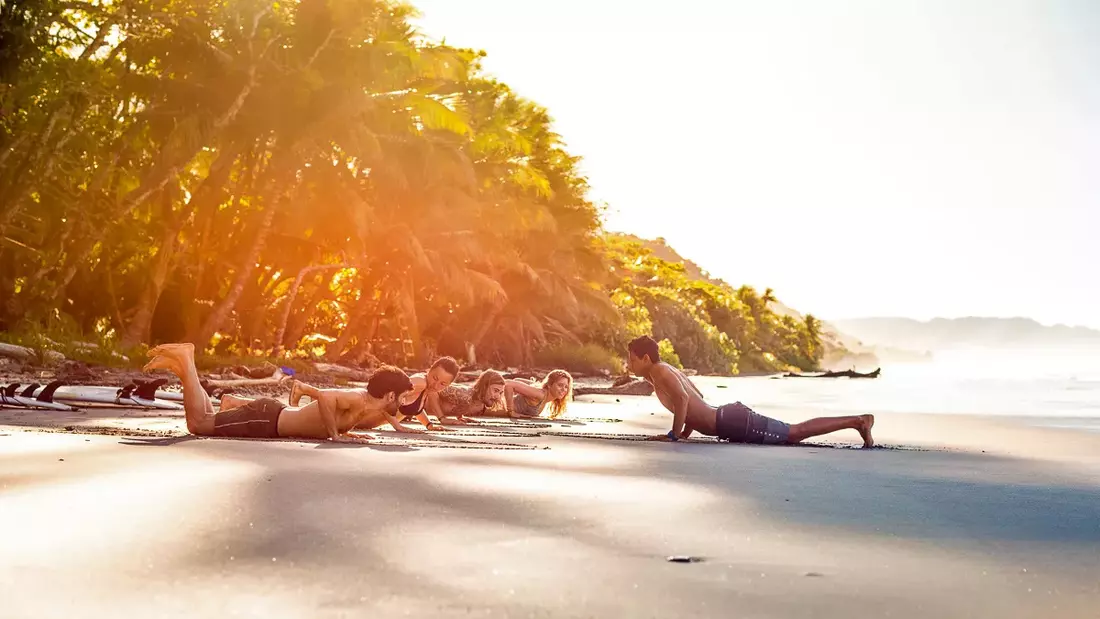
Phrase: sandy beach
[122,515]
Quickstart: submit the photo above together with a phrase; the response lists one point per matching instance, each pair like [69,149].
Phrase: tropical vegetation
[313,178]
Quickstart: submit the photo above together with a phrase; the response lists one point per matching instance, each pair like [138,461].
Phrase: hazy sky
[882,157]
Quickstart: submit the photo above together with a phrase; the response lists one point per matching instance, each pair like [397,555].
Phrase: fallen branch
[23,353]
[844,374]
[274,379]
[637,387]
[341,371]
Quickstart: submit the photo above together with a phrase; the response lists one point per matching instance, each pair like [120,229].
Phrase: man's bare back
[668,383]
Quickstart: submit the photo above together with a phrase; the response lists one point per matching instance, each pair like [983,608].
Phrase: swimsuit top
[414,407]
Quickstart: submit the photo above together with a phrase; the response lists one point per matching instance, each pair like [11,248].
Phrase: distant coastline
[937,334]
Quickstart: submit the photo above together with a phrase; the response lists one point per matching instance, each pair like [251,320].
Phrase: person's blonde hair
[481,386]
[557,407]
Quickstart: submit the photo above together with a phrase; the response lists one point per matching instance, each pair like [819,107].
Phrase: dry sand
[124,516]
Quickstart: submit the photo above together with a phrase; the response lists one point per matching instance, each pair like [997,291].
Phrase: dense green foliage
[313,177]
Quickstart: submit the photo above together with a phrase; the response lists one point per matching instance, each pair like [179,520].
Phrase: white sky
[881,157]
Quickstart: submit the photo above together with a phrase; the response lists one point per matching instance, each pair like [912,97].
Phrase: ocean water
[1057,388]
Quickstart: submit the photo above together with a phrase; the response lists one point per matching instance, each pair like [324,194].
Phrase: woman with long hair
[525,399]
[482,399]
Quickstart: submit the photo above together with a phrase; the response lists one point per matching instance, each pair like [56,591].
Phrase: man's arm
[396,425]
[674,389]
[327,403]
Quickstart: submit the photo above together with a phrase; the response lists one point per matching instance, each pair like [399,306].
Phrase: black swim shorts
[738,423]
[255,419]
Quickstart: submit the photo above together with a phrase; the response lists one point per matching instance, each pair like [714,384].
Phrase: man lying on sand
[735,422]
[331,416]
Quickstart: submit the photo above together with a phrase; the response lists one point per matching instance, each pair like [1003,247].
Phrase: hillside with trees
[315,179]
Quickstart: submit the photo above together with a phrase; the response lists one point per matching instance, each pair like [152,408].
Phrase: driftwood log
[23,353]
[637,387]
[225,383]
[342,372]
[843,374]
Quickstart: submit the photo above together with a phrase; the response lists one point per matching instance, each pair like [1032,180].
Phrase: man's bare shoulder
[348,397]
[667,371]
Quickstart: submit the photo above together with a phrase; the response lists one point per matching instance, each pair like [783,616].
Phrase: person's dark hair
[448,364]
[387,379]
[645,345]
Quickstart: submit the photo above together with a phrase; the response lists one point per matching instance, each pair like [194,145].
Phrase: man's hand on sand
[659,437]
[351,439]
[435,427]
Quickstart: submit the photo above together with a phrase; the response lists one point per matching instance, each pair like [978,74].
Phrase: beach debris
[814,574]
[223,383]
[637,387]
[23,353]
[75,372]
[341,371]
[844,374]
[684,559]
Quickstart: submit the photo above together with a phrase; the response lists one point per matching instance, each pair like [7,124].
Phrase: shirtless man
[299,389]
[424,393]
[736,422]
[330,417]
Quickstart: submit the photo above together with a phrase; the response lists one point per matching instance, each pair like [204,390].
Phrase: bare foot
[866,422]
[295,393]
[160,362]
[186,349]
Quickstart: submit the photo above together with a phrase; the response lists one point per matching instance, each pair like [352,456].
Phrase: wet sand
[124,515]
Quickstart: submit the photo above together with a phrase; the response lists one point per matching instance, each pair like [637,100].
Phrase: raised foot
[866,422]
[185,349]
[162,363]
[295,393]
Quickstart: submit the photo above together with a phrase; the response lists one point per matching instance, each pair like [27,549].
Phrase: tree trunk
[44,169]
[362,309]
[363,348]
[299,321]
[206,217]
[162,172]
[137,331]
[479,334]
[244,271]
[22,180]
[288,304]
[408,312]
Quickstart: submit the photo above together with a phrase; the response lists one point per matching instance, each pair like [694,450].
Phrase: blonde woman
[525,399]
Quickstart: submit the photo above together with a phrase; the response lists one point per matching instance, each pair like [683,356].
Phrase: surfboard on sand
[61,397]
[27,399]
